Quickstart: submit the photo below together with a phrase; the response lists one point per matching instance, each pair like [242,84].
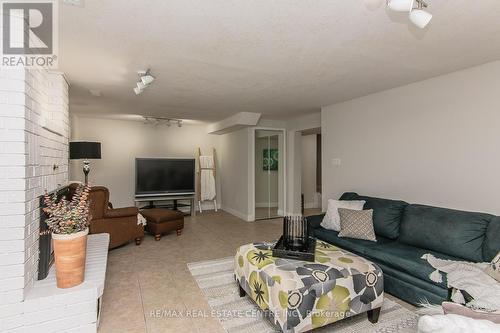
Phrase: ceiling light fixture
[141,85]
[145,79]
[156,121]
[417,14]
[400,5]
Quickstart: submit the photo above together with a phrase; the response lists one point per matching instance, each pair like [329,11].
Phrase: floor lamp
[83,150]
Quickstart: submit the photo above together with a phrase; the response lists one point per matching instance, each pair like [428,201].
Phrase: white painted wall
[308,179]
[124,140]
[235,166]
[434,142]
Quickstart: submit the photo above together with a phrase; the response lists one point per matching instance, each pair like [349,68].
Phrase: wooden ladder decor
[198,177]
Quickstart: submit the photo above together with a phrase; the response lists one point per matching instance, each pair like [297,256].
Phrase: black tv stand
[167,201]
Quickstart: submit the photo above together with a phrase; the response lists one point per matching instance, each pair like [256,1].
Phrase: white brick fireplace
[34,132]
[32,159]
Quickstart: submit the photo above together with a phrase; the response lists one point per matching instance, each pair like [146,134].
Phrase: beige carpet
[240,315]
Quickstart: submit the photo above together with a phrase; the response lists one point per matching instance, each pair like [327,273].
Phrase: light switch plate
[336,161]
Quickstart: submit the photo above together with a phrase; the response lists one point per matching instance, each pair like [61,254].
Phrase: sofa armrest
[314,221]
[121,212]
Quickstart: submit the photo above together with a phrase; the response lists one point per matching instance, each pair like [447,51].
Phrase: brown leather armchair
[120,224]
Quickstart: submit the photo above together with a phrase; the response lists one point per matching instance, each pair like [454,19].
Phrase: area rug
[240,314]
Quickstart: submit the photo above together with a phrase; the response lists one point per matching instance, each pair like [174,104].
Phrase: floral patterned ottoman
[299,295]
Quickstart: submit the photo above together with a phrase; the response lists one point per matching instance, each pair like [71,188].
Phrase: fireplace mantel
[48,308]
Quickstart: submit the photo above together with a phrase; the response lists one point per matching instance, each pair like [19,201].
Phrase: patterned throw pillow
[331,220]
[493,269]
[357,224]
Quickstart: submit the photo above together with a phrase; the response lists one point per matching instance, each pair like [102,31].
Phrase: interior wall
[432,142]
[123,140]
[235,165]
[308,179]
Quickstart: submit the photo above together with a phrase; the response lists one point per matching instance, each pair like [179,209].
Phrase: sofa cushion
[357,246]
[407,259]
[456,233]
[387,214]
[400,257]
[314,221]
[491,244]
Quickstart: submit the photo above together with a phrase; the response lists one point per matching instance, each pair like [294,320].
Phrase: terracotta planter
[70,252]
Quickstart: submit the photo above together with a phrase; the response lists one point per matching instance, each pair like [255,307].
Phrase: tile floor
[148,285]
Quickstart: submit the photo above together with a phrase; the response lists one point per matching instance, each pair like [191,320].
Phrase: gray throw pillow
[357,224]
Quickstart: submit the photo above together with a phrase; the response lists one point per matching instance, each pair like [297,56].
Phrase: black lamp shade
[82,150]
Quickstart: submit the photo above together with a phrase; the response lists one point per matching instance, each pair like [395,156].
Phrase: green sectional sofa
[405,232]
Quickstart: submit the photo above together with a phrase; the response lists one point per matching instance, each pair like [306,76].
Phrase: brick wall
[34,132]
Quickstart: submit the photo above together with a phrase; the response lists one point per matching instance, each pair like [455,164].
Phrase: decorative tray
[306,253]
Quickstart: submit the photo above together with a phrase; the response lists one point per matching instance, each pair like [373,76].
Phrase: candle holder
[296,242]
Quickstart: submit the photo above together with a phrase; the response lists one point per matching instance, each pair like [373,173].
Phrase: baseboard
[244,217]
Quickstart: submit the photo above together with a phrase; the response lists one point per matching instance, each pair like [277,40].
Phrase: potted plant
[68,220]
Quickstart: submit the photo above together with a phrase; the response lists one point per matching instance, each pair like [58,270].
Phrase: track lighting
[417,14]
[400,5]
[145,79]
[157,121]
[420,17]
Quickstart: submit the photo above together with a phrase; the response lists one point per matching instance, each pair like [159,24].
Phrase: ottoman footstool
[301,295]
[160,221]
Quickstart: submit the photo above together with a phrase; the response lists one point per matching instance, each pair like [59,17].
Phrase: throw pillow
[493,269]
[331,220]
[357,224]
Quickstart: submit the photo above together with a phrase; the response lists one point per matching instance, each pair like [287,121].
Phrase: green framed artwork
[270,160]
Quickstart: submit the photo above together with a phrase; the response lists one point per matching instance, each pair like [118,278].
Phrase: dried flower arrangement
[68,216]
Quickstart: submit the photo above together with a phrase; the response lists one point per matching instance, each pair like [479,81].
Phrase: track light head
[141,85]
[400,5]
[137,91]
[147,79]
[179,123]
[419,16]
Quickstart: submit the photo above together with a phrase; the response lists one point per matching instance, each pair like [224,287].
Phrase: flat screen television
[164,176]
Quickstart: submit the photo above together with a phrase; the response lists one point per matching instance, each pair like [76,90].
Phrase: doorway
[269,173]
